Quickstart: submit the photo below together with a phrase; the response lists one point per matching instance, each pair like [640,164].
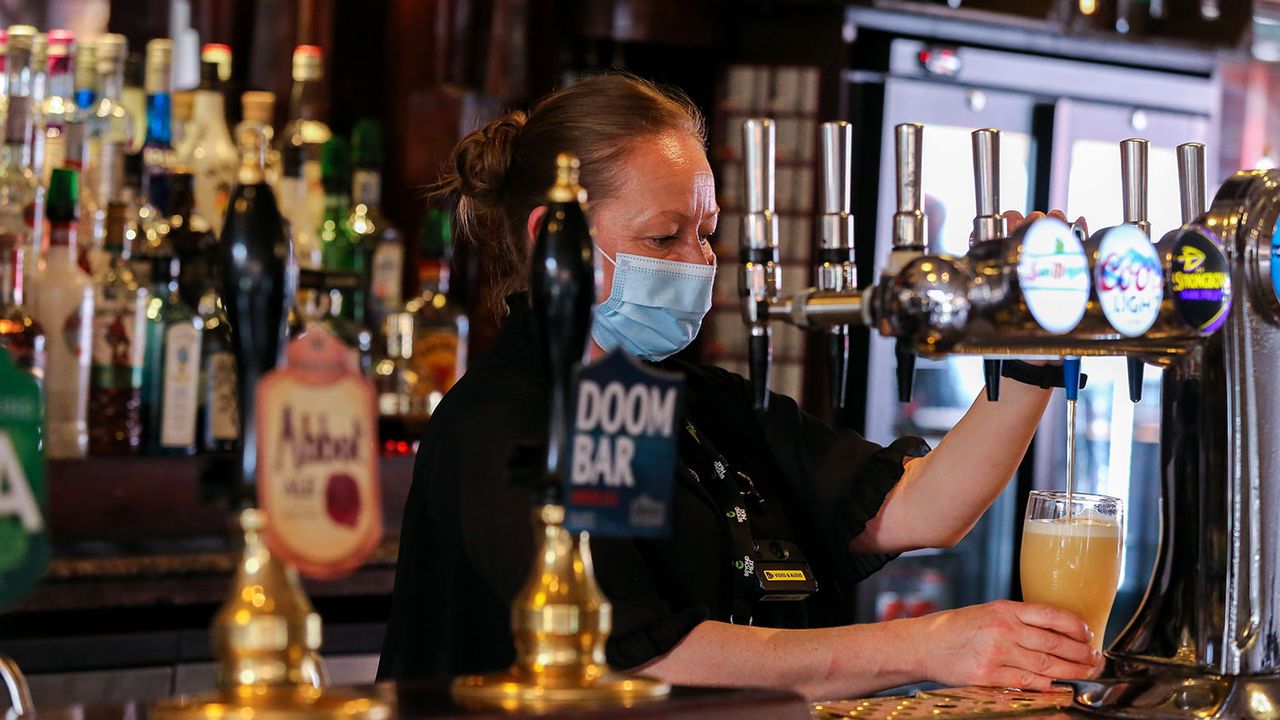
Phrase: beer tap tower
[1204,642]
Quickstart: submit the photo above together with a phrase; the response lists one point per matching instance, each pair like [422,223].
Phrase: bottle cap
[258,105]
[109,51]
[366,144]
[86,64]
[308,63]
[220,55]
[21,36]
[39,52]
[64,191]
[159,65]
[60,42]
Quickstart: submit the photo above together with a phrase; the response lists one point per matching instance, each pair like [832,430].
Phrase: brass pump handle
[1191,180]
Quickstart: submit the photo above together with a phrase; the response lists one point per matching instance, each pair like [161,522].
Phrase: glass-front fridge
[1060,121]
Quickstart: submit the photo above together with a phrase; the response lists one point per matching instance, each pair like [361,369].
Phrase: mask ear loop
[606,255]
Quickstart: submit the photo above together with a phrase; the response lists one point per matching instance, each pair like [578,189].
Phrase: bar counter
[412,700]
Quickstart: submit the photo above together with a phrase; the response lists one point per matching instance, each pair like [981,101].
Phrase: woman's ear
[535,219]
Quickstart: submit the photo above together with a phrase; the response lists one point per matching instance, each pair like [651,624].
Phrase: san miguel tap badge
[24,540]
[317,458]
[622,448]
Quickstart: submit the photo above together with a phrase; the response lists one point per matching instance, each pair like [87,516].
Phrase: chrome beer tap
[760,275]
[1133,177]
[835,269]
[909,239]
[989,223]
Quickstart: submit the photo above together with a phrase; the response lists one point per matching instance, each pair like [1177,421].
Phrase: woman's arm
[1001,644]
[943,494]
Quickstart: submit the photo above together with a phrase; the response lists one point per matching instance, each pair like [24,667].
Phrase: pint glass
[1071,560]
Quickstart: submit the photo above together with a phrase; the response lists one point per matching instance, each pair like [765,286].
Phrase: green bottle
[341,248]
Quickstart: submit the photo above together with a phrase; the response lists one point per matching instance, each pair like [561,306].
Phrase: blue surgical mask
[655,307]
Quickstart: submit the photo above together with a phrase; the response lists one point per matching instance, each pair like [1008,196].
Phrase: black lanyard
[755,574]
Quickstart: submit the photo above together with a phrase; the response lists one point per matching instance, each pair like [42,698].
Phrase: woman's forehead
[668,175]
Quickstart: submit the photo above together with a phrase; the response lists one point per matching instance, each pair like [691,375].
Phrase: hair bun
[483,158]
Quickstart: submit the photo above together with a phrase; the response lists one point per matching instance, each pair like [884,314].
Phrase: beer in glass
[1071,554]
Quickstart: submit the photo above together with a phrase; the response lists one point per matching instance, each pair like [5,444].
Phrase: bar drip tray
[1158,697]
[955,703]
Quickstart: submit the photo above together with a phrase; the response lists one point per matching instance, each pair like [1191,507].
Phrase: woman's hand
[1004,644]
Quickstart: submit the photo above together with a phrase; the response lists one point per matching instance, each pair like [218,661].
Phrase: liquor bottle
[86,74]
[60,109]
[111,130]
[119,344]
[191,237]
[62,302]
[133,95]
[157,147]
[219,414]
[182,107]
[380,241]
[318,306]
[257,108]
[22,186]
[171,366]
[20,334]
[426,343]
[207,149]
[220,55]
[341,251]
[295,206]
[305,128]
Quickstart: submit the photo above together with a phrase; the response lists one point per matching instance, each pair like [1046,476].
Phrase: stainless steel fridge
[1061,120]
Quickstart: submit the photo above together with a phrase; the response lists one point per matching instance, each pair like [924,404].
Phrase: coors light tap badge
[24,542]
[317,467]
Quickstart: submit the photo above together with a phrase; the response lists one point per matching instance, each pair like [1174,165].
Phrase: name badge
[317,458]
[24,540]
[622,448]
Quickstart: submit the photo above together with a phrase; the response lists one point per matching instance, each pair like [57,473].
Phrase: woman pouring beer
[847,505]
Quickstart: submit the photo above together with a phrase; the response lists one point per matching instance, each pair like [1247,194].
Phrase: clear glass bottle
[119,344]
[39,91]
[20,334]
[341,250]
[111,131]
[60,109]
[20,190]
[305,127]
[62,301]
[380,241]
[295,206]
[86,74]
[258,108]
[171,368]
[157,148]
[207,149]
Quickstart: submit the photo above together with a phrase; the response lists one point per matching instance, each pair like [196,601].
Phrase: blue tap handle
[1071,377]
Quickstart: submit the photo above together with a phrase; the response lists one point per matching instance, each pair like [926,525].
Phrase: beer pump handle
[1133,176]
[988,222]
[1191,180]
[758,278]
[562,290]
[908,230]
[254,257]
[836,269]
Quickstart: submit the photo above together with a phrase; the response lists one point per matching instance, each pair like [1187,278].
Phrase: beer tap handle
[758,279]
[836,269]
[1191,180]
[1133,176]
[988,222]
[1071,377]
[254,256]
[908,232]
[562,291]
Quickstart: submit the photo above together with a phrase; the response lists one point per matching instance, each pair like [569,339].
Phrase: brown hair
[502,171]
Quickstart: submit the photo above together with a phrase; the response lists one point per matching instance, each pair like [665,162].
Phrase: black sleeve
[497,532]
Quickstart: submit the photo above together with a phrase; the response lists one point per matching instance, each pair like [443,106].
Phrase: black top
[466,543]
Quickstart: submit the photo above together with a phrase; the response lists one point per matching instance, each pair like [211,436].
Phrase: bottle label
[439,357]
[17,125]
[118,325]
[181,384]
[224,410]
[387,275]
[24,542]
[366,187]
